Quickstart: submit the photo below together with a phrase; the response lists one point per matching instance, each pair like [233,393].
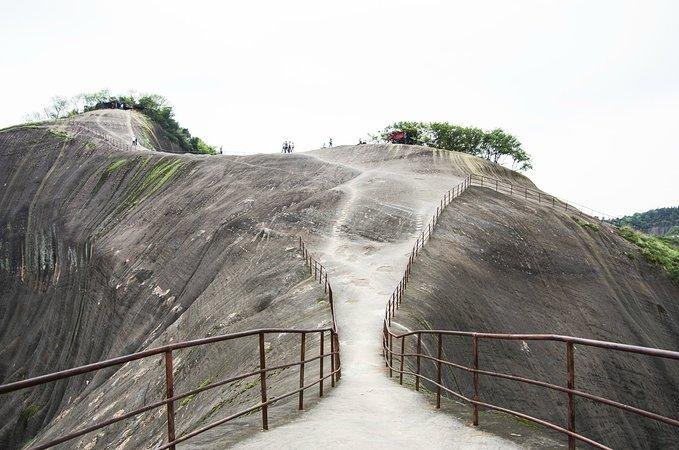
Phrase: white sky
[591,88]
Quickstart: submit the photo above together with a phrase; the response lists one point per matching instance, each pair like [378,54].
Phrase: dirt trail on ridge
[384,208]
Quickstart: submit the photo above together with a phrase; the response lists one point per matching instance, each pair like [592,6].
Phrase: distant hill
[661,221]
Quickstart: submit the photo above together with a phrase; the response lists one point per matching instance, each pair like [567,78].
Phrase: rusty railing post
[338,364]
[419,350]
[325,286]
[262,381]
[332,359]
[169,393]
[389,311]
[384,345]
[475,365]
[301,371]
[495,185]
[391,355]
[439,354]
[320,384]
[403,345]
[570,369]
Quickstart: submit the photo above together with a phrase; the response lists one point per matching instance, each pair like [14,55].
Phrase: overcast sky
[591,88]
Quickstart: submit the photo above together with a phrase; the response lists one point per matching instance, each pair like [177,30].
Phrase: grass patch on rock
[586,224]
[186,400]
[115,166]
[59,134]
[149,183]
[28,412]
[108,171]
[655,249]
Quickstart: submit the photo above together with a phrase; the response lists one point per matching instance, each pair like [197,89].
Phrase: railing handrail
[79,370]
[397,297]
[170,398]
[650,351]
[389,353]
[317,269]
[543,197]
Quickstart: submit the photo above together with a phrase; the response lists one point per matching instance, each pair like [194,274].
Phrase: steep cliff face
[499,264]
[106,250]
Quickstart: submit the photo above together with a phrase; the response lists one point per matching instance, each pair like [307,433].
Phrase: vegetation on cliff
[657,249]
[656,221]
[154,106]
[495,145]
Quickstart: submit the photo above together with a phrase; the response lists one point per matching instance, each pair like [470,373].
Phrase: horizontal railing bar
[30,382]
[236,415]
[633,409]
[551,337]
[509,411]
[520,189]
[163,402]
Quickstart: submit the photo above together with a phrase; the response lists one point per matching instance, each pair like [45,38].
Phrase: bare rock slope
[106,249]
[499,264]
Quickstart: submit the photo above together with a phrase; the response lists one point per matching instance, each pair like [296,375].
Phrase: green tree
[656,221]
[417,133]
[456,138]
[154,106]
[496,145]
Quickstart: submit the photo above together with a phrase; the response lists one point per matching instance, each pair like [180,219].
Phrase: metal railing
[535,196]
[397,295]
[396,299]
[475,402]
[482,181]
[320,274]
[171,397]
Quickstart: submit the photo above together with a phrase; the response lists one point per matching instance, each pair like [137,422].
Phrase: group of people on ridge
[288,146]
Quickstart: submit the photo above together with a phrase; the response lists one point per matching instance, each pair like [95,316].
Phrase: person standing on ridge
[330,142]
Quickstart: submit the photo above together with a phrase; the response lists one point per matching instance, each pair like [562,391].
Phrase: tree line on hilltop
[494,145]
[661,221]
[154,106]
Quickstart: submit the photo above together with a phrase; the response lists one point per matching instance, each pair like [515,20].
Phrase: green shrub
[28,412]
[186,400]
[655,249]
[494,145]
[585,224]
[655,218]
[61,135]
[153,106]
